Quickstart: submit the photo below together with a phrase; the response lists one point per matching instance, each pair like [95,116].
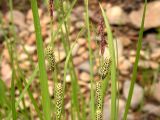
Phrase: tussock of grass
[78,105]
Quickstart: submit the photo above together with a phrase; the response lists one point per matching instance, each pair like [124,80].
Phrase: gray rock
[85,66]
[156,91]
[152,109]
[152,19]
[137,94]
[116,15]
[107,107]
[18,18]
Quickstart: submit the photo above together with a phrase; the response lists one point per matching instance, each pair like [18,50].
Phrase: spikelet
[50,57]
[98,95]
[105,68]
[58,97]
[99,114]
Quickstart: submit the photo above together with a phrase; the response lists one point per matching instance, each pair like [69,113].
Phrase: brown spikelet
[105,68]
[99,115]
[50,57]
[58,97]
[102,35]
[51,8]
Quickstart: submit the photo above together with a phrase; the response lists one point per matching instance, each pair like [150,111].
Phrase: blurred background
[125,19]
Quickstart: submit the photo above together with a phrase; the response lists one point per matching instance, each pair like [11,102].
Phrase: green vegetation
[48,108]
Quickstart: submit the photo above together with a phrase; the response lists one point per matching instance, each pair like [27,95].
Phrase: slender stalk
[41,63]
[65,41]
[113,67]
[10,48]
[134,75]
[91,61]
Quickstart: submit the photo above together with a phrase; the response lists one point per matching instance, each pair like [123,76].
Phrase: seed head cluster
[99,115]
[105,68]
[51,8]
[98,100]
[50,57]
[59,100]
[98,95]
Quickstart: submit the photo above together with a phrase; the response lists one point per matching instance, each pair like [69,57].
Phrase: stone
[6,73]
[45,20]
[85,66]
[25,65]
[125,65]
[79,24]
[155,91]
[93,44]
[61,53]
[31,40]
[30,48]
[85,55]
[152,16]
[31,28]
[116,16]
[68,78]
[81,50]
[84,76]
[75,49]
[23,57]
[107,107]
[153,65]
[137,93]
[143,64]
[155,54]
[18,18]
[152,109]
[77,60]
[125,41]
[82,41]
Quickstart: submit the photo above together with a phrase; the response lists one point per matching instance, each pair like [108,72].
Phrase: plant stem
[113,67]
[41,63]
[134,75]
[91,61]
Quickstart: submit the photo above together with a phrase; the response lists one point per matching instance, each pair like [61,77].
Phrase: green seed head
[98,95]
[59,100]
[50,57]
[99,115]
[105,68]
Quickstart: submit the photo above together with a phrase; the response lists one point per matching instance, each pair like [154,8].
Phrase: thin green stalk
[135,67]
[41,62]
[65,41]
[14,114]
[73,77]
[91,61]
[64,19]
[118,95]
[24,91]
[113,67]
[10,48]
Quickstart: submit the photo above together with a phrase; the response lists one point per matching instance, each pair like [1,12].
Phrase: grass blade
[41,62]
[90,61]
[113,66]
[24,90]
[134,75]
